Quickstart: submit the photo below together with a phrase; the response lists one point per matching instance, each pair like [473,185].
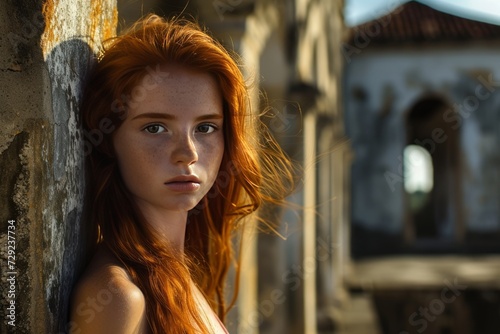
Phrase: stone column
[45,52]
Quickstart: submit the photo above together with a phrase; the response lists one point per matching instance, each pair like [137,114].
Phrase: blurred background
[392,108]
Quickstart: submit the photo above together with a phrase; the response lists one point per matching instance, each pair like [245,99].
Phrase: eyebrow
[173,117]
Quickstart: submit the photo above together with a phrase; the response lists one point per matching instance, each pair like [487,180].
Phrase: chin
[187,206]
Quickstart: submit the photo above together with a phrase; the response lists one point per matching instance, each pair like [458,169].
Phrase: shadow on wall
[66,237]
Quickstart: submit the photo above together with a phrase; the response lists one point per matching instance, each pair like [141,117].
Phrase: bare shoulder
[105,300]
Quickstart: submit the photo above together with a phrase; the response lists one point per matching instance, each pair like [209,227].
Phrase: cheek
[131,161]
[213,154]
[127,166]
[217,154]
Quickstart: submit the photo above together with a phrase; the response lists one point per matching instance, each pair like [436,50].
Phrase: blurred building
[422,101]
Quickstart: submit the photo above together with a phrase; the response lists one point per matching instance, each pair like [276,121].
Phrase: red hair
[253,171]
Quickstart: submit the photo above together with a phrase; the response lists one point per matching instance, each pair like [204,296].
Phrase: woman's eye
[206,128]
[154,128]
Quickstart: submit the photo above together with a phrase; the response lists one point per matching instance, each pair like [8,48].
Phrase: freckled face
[170,146]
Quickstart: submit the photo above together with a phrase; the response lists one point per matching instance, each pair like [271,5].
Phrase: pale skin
[169,149]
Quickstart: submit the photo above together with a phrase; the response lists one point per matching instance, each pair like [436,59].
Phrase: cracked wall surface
[45,51]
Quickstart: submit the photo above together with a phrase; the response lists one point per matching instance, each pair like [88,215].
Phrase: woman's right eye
[155,128]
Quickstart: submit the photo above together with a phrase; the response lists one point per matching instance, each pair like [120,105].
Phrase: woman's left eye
[206,128]
[154,128]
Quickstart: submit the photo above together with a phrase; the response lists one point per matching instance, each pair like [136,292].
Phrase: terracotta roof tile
[414,22]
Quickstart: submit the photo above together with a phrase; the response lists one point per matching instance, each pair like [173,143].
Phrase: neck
[169,225]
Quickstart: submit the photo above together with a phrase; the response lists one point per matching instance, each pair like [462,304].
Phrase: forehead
[176,88]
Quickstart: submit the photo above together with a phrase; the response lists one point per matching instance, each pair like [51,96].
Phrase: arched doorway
[431,178]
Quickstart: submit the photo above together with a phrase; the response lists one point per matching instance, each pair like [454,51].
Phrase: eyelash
[213,126]
[148,128]
[154,125]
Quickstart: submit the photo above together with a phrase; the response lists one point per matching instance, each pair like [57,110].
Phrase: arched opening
[431,183]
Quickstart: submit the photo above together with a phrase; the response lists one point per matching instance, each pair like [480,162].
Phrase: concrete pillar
[45,51]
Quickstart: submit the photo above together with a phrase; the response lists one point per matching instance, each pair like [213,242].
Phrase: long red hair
[253,171]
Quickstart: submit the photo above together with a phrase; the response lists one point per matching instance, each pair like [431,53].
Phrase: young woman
[179,162]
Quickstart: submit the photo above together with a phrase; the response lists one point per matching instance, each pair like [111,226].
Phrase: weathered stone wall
[45,51]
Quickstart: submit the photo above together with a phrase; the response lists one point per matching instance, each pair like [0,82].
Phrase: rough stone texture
[45,51]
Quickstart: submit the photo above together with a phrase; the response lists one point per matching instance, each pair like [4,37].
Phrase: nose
[185,150]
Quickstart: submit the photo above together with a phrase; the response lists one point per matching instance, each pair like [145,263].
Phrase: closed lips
[184,179]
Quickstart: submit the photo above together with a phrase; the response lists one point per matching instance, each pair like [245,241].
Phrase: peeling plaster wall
[45,51]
